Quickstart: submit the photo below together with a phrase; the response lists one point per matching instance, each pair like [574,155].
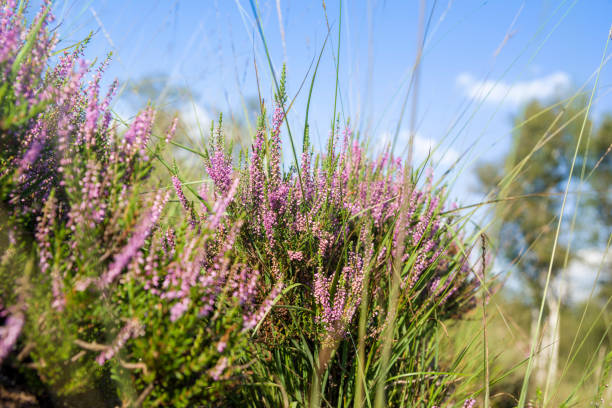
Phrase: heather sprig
[9,331]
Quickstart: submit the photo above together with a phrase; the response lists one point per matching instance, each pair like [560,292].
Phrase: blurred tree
[602,202]
[170,100]
[173,100]
[602,176]
[536,170]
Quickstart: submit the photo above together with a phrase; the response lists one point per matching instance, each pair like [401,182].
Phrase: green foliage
[535,171]
[530,187]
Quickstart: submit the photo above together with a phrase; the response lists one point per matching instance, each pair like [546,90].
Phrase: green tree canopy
[531,180]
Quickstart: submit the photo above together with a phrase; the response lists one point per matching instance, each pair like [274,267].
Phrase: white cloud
[422,148]
[124,113]
[194,123]
[514,93]
[582,271]
[195,118]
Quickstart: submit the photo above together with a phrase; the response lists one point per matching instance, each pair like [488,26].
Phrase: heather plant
[341,231]
[112,303]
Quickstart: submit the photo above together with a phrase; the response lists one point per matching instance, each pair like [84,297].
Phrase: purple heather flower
[346,298]
[132,329]
[92,112]
[178,309]
[245,285]
[219,207]
[250,321]
[206,195]
[469,403]
[269,222]
[221,345]
[275,145]
[137,136]
[104,106]
[193,221]
[10,29]
[44,229]
[307,181]
[257,178]
[220,170]
[448,295]
[295,255]
[278,198]
[425,221]
[172,130]
[43,233]
[31,155]
[434,285]
[178,187]
[9,333]
[137,240]
[168,242]
[219,368]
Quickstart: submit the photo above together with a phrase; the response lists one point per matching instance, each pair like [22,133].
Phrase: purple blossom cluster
[219,166]
[198,271]
[136,242]
[76,182]
[9,332]
[179,192]
[337,313]
[219,368]
[133,328]
[70,145]
[469,403]
[291,211]
[252,319]
[275,146]
[26,77]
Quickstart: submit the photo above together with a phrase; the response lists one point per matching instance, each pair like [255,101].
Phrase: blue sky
[517,50]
